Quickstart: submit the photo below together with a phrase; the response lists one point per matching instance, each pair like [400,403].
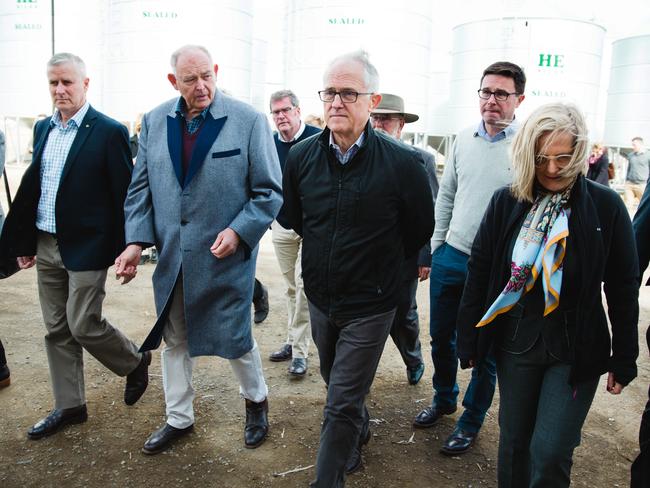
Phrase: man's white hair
[370,72]
[64,58]
[185,49]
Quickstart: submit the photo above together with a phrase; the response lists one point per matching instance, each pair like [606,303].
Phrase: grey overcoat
[233,180]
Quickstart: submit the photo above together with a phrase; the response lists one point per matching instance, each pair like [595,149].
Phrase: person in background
[545,247]
[285,109]
[478,165]
[638,170]
[598,162]
[389,116]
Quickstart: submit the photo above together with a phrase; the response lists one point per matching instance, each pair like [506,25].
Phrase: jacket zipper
[333,240]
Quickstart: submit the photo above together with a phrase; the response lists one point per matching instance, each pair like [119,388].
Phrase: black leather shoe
[355,462]
[261,306]
[458,442]
[430,415]
[137,380]
[5,376]
[283,354]
[163,438]
[414,375]
[298,367]
[57,419]
[257,423]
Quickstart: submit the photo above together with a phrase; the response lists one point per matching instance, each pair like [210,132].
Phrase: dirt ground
[105,451]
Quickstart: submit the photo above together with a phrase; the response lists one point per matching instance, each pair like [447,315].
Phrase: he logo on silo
[551,60]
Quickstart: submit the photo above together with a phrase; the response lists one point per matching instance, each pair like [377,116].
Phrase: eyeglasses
[283,111]
[347,96]
[561,160]
[499,95]
[384,117]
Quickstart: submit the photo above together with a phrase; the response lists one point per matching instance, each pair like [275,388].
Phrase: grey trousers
[71,302]
[349,352]
[405,331]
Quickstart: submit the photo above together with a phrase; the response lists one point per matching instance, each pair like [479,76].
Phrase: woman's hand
[613,386]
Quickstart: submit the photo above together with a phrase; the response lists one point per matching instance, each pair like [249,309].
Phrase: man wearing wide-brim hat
[389,117]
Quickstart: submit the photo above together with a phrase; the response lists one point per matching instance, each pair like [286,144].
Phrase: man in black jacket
[362,204]
[68,219]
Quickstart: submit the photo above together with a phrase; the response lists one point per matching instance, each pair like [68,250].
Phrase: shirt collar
[359,142]
[301,129]
[181,109]
[507,131]
[76,119]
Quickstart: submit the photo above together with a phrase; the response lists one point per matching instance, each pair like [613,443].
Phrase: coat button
[184,222]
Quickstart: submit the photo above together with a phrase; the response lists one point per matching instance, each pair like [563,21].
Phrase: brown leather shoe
[257,423]
[57,419]
[137,380]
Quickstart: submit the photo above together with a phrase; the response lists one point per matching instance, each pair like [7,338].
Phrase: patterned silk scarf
[540,245]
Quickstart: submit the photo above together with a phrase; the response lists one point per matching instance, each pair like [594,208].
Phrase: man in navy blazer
[68,219]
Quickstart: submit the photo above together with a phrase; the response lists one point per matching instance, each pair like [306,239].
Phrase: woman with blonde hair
[533,297]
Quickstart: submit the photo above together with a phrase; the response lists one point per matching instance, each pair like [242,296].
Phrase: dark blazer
[600,248]
[89,203]
[598,171]
[641,224]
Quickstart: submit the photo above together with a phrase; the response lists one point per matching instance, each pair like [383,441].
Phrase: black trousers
[257,290]
[641,466]
[3,358]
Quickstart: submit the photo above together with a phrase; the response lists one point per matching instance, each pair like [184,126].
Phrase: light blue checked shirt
[508,131]
[349,154]
[191,126]
[58,144]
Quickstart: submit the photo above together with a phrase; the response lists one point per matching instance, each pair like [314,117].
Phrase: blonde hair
[551,119]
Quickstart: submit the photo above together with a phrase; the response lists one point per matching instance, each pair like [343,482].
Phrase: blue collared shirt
[191,126]
[349,154]
[58,144]
[506,132]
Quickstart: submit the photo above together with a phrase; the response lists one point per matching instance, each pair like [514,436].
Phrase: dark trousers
[258,290]
[448,274]
[349,352]
[641,465]
[3,358]
[540,418]
[405,330]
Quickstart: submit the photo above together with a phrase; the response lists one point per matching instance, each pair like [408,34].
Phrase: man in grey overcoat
[205,188]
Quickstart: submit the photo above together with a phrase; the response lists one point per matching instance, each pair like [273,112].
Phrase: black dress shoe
[298,367]
[430,415]
[283,354]
[257,423]
[261,306]
[5,376]
[414,375]
[137,380]
[458,442]
[57,419]
[355,463]
[163,438]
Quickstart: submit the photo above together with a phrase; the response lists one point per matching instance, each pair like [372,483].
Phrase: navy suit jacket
[89,205]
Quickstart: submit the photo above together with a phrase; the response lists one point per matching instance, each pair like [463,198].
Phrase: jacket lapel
[86,127]
[175,144]
[39,145]
[209,133]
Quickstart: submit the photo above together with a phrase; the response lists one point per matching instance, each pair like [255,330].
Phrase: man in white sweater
[478,164]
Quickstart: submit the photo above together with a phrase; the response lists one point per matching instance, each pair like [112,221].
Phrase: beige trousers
[288,250]
[177,366]
[71,302]
[633,192]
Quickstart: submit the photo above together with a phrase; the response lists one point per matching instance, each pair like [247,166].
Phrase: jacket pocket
[518,332]
[226,154]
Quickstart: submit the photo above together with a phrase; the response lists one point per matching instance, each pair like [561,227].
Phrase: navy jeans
[540,418]
[448,274]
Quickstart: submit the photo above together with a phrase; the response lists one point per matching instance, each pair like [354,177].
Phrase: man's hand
[127,263]
[226,243]
[424,272]
[25,262]
[613,386]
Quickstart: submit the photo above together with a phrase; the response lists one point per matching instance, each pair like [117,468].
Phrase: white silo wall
[85,39]
[142,34]
[561,59]
[628,102]
[25,47]
[319,31]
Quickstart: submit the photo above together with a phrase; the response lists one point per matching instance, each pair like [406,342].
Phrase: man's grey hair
[187,48]
[64,58]
[361,57]
[281,94]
